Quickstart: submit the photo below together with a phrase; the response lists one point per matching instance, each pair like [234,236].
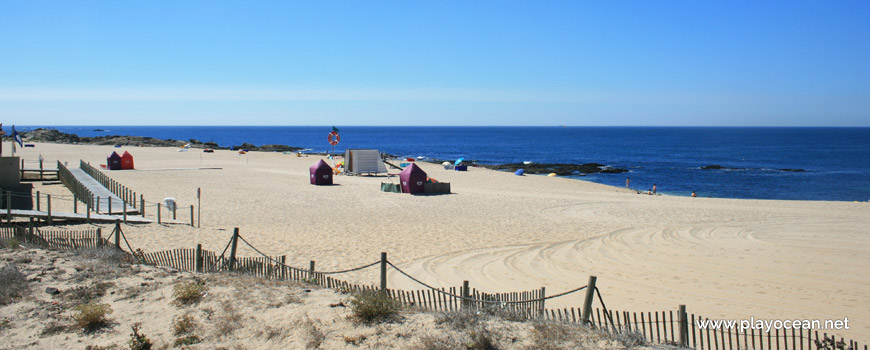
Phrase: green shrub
[90,317]
[139,341]
[369,306]
[187,340]
[189,293]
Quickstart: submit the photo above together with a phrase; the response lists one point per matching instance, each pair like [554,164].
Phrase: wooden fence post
[118,234]
[587,303]
[158,213]
[311,270]
[142,204]
[88,212]
[191,215]
[97,210]
[541,309]
[75,203]
[235,241]
[133,199]
[99,236]
[384,272]
[8,206]
[110,205]
[465,294]
[48,206]
[198,261]
[174,206]
[38,201]
[125,212]
[684,327]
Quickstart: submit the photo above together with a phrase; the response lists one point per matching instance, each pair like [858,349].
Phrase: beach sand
[722,258]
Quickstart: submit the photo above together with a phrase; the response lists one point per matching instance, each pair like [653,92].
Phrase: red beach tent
[413,179]
[321,173]
[127,161]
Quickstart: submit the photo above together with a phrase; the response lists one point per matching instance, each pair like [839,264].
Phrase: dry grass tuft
[481,339]
[442,342]
[91,317]
[189,293]
[314,336]
[357,340]
[88,293]
[228,320]
[185,324]
[13,284]
[460,320]
[9,243]
[370,307]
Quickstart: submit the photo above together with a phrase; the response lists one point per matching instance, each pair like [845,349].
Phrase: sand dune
[723,258]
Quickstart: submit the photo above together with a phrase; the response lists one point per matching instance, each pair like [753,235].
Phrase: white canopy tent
[364,161]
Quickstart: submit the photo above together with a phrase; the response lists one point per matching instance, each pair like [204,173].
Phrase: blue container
[461,168]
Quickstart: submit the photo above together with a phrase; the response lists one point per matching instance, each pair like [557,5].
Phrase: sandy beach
[723,258]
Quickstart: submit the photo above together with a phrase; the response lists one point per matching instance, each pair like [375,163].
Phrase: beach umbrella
[459,161]
[447,165]
[519,172]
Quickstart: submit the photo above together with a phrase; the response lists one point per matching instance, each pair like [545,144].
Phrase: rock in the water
[794,170]
[560,169]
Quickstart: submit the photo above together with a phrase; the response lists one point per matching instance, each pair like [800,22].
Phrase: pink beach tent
[413,179]
[321,173]
[113,162]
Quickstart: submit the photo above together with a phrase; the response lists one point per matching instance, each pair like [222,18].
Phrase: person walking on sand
[654,188]
[626,182]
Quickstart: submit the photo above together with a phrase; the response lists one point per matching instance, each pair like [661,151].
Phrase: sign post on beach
[333,139]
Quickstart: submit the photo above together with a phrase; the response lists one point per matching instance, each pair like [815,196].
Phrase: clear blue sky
[752,63]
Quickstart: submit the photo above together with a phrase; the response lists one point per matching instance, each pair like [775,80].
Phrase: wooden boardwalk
[105,196]
[131,219]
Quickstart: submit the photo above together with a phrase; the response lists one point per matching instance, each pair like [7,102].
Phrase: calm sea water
[836,160]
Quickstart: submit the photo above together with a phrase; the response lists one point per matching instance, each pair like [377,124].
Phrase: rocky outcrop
[719,167]
[54,136]
[560,169]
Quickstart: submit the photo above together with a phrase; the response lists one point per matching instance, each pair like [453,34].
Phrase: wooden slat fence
[661,327]
[55,239]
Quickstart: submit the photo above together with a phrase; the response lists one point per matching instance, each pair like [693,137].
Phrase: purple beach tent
[113,162]
[321,173]
[413,179]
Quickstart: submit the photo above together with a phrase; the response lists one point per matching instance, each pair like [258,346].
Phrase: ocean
[836,161]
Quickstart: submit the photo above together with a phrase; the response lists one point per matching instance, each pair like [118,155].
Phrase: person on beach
[694,194]
[626,182]
[654,189]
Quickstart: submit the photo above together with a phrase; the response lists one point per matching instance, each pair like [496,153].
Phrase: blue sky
[688,63]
